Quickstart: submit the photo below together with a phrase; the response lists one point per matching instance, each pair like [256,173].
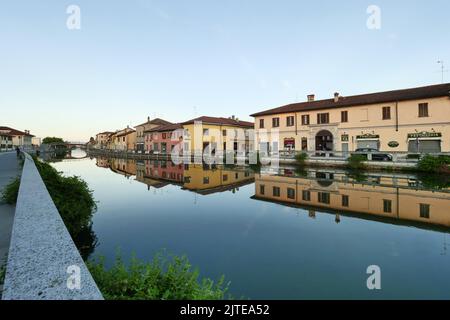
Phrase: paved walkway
[9,169]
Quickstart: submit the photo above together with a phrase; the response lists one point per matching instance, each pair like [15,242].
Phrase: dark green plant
[71,196]
[301,158]
[434,181]
[49,140]
[438,164]
[356,162]
[11,191]
[165,278]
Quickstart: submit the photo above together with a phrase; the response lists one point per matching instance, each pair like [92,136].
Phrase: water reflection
[277,233]
[202,179]
[394,198]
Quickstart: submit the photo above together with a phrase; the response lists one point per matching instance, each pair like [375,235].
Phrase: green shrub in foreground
[301,158]
[438,164]
[11,191]
[165,278]
[356,162]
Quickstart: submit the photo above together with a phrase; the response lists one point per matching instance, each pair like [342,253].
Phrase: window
[386,113]
[275,122]
[276,191]
[387,206]
[306,195]
[205,180]
[344,116]
[262,189]
[323,197]
[206,132]
[261,123]
[236,175]
[423,110]
[305,119]
[224,133]
[164,135]
[290,121]
[345,201]
[323,118]
[225,177]
[425,211]
[291,193]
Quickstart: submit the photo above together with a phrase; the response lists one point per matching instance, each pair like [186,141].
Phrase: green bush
[165,278]
[300,158]
[356,162]
[48,140]
[11,191]
[439,164]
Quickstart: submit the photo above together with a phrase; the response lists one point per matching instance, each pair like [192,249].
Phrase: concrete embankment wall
[43,262]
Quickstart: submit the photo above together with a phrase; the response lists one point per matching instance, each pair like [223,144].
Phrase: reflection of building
[413,120]
[102,162]
[141,128]
[126,167]
[206,179]
[161,170]
[381,197]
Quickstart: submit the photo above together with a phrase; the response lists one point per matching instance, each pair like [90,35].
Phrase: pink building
[163,139]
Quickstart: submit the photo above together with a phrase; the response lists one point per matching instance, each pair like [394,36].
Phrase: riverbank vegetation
[49,140]
[356,162]
[165,278]
[73,199]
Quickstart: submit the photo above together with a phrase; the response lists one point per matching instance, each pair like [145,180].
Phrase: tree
[49,140]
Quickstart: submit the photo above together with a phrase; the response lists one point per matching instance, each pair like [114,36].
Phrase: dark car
[376,155]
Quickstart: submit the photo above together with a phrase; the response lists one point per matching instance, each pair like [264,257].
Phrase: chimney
[336,96]
[311,97]
[148,119]
[233,117]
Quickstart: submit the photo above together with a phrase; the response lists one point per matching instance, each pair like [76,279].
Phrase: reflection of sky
[264,249]
[177,59]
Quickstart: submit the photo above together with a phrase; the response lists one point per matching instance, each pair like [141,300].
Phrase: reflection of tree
[357,176]
[434,181]
[86,241]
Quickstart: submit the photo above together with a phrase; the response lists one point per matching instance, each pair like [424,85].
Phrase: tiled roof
[129,131]
[168,127]
[157,121]
[441,90]
[222,121]
[13,132]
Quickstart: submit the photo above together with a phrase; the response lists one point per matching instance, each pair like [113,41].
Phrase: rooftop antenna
[443,70]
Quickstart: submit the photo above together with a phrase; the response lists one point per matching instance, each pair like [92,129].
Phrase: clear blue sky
[179,59]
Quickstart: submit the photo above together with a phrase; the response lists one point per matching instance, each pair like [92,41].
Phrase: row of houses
[158,136]
[413,120]
[11,138]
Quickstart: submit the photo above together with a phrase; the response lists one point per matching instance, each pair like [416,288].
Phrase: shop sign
[393,144]
[368,136]
[424,134]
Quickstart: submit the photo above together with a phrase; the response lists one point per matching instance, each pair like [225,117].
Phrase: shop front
[425,142]
[368,141]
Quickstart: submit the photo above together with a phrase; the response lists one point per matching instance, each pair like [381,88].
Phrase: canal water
[277,234]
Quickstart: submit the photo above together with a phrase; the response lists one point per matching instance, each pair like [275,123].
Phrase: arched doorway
[324,141]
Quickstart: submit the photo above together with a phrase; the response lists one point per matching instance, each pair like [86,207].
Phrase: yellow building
[409,120]
[123,140]
[207,179]
[394,199]
[219,134]
[102,139]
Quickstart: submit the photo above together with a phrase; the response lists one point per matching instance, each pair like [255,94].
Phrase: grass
[165,278]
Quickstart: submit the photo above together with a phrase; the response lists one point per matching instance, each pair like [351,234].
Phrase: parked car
[376,155]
